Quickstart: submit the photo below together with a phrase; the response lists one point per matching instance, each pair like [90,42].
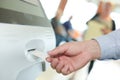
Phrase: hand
[72,56]
[106,30]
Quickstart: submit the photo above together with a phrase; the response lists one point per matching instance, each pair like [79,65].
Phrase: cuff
[107,45]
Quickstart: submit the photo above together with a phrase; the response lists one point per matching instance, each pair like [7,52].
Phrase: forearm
[110,45]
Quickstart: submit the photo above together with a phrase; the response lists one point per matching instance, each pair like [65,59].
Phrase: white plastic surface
[14,65]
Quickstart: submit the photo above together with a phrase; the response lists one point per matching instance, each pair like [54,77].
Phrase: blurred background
[73,20]
[81,10]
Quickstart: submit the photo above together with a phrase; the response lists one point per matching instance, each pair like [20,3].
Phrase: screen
[25,12]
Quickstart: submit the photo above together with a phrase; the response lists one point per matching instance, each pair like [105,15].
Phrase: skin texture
[72,56]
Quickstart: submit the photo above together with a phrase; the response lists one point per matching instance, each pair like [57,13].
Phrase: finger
[60,66]
[65,70]
[59,50]
[48,59]
[54,62]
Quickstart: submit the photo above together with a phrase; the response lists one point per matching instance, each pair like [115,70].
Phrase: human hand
[72,56]
[106,30]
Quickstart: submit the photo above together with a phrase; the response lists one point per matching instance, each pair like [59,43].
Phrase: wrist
[95,49]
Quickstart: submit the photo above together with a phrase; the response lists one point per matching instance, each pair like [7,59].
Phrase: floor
[102,70]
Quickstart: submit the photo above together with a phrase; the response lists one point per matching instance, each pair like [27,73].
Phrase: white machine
[24,29]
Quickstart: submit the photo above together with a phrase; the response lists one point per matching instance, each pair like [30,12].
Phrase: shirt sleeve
[110,45]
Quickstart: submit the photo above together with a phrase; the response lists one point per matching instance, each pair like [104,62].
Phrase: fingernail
[48,59]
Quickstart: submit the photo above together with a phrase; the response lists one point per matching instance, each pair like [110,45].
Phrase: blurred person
[100,24]
[60,33]
[72,33]
[72,56]
[105,15]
